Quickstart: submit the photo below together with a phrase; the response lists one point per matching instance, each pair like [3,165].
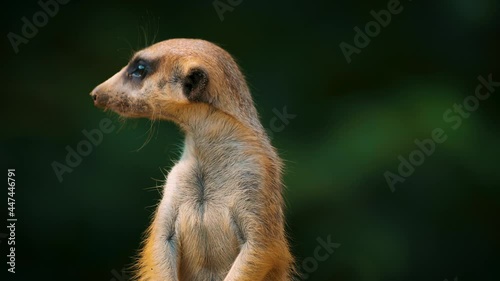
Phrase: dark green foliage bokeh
[352,122]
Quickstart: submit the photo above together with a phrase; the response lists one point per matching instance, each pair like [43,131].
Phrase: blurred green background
[352,122]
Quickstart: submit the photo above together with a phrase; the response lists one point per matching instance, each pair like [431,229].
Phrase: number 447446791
[11,182]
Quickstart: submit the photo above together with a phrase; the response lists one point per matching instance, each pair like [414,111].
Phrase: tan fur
[221,215]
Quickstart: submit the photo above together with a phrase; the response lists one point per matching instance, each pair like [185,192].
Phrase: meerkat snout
[123,92]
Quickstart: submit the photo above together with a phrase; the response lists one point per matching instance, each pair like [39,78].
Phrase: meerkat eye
[138,69]
[139,72]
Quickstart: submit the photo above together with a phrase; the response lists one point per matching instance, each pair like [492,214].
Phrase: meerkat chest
[207,183]
[204,225]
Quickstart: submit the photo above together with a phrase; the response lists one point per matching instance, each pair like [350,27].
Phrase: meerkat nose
[93,94]
[100,99]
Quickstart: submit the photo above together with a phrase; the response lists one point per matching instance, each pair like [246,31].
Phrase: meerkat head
[182,80]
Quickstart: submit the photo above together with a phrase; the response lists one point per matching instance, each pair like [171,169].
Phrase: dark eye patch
[139,68]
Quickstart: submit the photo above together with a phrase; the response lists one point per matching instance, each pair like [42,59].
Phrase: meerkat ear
[194,85]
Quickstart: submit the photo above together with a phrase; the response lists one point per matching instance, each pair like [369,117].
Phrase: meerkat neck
[221,133]
[209,124]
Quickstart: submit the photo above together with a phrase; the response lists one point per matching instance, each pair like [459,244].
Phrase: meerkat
[221,216]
